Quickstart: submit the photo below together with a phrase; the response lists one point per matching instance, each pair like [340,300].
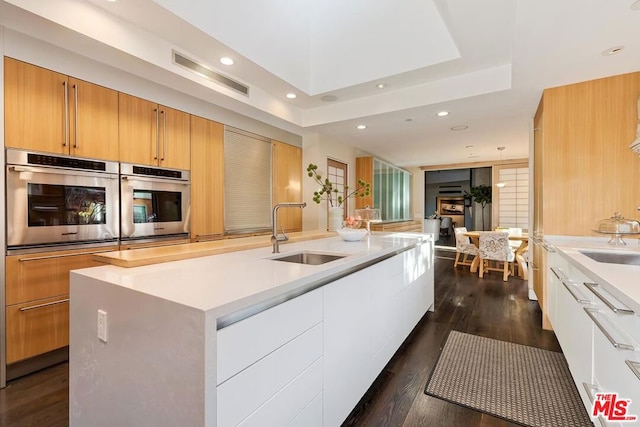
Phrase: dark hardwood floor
[487,307]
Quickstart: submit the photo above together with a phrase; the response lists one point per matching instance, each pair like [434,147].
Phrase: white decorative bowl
[352,234]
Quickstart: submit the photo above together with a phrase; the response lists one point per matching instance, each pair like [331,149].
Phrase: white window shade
[247,182]
[513,211]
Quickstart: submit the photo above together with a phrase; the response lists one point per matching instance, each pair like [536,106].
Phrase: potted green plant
[480,194]
[327,191]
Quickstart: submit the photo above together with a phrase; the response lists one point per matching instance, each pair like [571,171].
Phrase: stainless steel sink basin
[310,258]
[613,257]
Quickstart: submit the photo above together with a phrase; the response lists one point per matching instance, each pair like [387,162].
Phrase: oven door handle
[70,172]
[152,179]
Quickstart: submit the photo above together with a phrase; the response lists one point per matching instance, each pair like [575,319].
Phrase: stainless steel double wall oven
[55,200]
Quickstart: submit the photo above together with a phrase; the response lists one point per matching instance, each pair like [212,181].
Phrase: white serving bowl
[352,234]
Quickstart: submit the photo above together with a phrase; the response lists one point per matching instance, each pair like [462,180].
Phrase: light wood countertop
[148,256]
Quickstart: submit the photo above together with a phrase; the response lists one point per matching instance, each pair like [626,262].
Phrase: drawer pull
[634,366]
[559,273]
[616,306]
[592,390]
[600,318]
[575,293]
[548,247]
[38,258]
[46,304]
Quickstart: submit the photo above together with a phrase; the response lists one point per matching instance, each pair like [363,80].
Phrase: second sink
[613,257]
[310,258]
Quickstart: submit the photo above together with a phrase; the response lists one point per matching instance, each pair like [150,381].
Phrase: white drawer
[612,373]
[311,415]
[282,408]
[242,394]
[244,343]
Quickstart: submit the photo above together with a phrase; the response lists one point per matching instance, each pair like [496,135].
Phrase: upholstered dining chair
[494,246]
[464,247]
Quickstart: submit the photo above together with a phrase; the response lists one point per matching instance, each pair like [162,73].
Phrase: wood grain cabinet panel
[583,167]
[37,327]
[93,118]
[53,113]
[207,179]
[175,141]
[36,293]
[152,134]
[287,184]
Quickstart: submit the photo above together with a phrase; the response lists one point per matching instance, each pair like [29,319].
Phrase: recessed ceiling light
[462,127]
[408,120]
[329,98]
[361,127]
[381,85]
[468,146]
[612,50]
[442,114]
[226,61]
[636,5]
[292,96]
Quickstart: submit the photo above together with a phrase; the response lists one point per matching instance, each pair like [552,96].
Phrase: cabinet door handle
[164,135]
[575,293]
[634,366]
[548,247]
[599,318]
[38,258]
[615,306]
[559,273]
[46,304]
[76,144]
[66,114]
[155,110]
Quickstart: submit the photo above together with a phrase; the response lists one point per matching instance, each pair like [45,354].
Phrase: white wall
[317,149]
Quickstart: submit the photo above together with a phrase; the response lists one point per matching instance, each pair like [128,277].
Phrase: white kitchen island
[242,339]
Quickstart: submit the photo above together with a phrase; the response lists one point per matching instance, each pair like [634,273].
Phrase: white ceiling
[484,61]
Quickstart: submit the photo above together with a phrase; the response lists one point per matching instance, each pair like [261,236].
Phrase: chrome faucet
[275,238]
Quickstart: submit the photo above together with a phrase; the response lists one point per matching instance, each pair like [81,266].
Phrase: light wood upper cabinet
[207,179]
[154,135]
[364,171]
[53,113]
[93,118]
[287,184]
[175,144]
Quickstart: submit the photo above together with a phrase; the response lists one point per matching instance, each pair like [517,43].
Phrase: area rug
[521,384]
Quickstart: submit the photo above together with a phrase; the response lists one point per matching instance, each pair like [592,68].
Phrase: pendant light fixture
[500,184]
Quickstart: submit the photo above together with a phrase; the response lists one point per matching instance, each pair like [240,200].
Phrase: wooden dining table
[524,245]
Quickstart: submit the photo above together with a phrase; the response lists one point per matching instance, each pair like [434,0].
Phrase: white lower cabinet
[307,362]
[348,344]
[600,344]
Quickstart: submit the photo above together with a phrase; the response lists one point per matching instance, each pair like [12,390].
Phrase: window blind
[247,182]
[514,198]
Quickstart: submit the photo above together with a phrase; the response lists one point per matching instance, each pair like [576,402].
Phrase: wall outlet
[102,325]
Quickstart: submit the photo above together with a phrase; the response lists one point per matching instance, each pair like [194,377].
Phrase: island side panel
[152,370]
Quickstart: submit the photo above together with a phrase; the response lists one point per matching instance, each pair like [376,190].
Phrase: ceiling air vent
[208,73]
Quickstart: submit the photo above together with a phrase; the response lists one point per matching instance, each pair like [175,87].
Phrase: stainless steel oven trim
[60,171]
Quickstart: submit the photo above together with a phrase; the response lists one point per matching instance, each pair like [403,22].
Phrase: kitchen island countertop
[228,282]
